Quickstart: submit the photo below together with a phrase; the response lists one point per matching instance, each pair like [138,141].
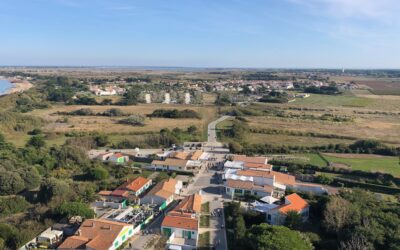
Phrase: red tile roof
[180,222]
[190,203]
[99,234]
[295,203]
[120,192]
[164,189]
[135,184]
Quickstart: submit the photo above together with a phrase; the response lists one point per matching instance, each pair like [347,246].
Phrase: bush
[69,209]
[12,205]
[10,183]
[98,173]
[174,113]
[134,120]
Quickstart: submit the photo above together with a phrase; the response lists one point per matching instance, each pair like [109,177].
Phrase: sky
[201,33]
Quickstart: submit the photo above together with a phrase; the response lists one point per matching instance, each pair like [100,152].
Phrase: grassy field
[110,124]
[308,158]
[372,163]
[347,100]
[280,140]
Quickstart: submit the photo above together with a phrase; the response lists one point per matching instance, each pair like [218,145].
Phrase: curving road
[212,133]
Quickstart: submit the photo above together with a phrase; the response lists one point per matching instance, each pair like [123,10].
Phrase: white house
[181,225]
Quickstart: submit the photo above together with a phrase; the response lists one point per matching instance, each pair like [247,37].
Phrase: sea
[4,86]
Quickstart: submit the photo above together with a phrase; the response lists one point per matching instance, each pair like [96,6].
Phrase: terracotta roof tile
[296,203]
[135,184]
[99,233]
[180,222]
[164,189]
[190,203]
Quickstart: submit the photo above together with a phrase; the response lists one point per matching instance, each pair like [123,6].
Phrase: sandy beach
[19,86]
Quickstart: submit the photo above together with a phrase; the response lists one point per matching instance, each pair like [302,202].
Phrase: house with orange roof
[98,234]
[181,225]
[136,186]
[293,202]
[246,162]
[181,161]
[163,193]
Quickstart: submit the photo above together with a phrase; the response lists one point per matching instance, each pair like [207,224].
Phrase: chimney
[79,232]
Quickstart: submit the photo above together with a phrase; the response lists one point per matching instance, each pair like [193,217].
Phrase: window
[123,238]
[269,217]
[116,244]
[130,231]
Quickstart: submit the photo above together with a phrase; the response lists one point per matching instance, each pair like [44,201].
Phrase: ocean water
[4,86]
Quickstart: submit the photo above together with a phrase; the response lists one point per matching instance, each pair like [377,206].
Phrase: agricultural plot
[372,163]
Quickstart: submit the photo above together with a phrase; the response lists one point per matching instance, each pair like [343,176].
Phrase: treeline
[323,90]
[90,112]
[359,147]
[271,131]
[275,97]
[309,169]
[175,113]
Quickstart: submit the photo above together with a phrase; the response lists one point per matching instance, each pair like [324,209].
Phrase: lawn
[204,240]
[310,158]
[372,163]
[205,221]
[205,207]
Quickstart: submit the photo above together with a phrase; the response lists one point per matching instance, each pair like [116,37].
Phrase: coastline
[18,86]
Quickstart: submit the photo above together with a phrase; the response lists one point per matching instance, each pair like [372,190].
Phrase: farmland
[369,163]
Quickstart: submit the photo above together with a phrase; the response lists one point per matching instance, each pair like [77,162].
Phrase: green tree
[69,209]
[235,147]
[324,179]
[31,177]
[267,237]
[101,140]
[131,96]
[10,183]
[240,228]
[98,173]
[293,220]
[53,187]
[36,141]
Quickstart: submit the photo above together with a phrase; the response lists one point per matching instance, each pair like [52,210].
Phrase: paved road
[211,190]
[212,133]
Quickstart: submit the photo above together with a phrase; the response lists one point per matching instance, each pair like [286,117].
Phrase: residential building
[99,234]
[136,186]
[163,193]
[293,202]
[118,158]
[181,225]
[180,161]
[256,182]
[245,162]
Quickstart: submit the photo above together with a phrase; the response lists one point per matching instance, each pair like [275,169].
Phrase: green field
[310,158]
[345,100]
[372,163]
